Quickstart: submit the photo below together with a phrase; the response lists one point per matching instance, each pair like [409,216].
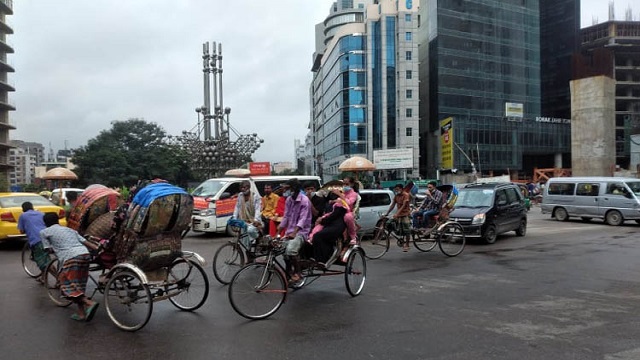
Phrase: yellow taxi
[11,209]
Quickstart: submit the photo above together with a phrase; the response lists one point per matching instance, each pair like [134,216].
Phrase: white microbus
[614,199]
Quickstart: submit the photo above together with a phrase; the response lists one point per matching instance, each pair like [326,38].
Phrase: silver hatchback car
[372,204]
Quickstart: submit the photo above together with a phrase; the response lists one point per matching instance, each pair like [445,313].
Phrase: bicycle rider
[403,201]
[430,206]
[297,222]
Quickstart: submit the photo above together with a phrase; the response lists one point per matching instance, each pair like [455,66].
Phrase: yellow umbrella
[356,164]
[60,173]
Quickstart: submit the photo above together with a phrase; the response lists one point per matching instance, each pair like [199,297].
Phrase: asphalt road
[564,291]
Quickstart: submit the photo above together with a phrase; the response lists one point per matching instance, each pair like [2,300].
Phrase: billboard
[446,143]
[513,110]
[393,159]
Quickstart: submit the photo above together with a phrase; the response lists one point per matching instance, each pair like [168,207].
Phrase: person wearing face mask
[297,225]
[403,201]
[352,197]
[318,201]
[248,208]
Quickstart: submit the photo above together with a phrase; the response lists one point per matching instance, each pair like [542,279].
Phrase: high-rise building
[364,93]
[480,74]
[6,8]
[613,49]
[559,42]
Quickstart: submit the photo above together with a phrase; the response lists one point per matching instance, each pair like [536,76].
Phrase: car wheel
[561,214]
[522,229]
[614,218]
[490,235]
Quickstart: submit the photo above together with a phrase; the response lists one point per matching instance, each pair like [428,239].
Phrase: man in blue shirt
[30,223]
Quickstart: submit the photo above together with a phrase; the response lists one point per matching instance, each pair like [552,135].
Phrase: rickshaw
[260,288]
[140,260]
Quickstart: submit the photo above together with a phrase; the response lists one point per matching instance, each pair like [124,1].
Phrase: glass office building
[364,93]
[483,71]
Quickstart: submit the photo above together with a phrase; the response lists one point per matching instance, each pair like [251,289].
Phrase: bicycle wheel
[28,262]
[355,272]
[257,292]
[192,285]
[424,242]
[376,247]
[451,239]
[53,286]
[128,301]
[229,258]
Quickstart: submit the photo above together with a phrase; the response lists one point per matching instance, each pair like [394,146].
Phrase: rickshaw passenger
[248,209]
[329,228]
[73,255]
[297,222]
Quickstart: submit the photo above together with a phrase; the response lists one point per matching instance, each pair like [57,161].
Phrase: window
[409,112]
[561,189]
[407,55]
[616,189]
[587,189]
[408,36]
[409,94]
[409,132]
[407,17]
[408,75]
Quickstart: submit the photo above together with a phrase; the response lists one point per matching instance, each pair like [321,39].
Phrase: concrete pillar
[557,161]
[593,151]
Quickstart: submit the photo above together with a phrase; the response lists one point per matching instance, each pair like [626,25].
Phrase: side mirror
[225,195]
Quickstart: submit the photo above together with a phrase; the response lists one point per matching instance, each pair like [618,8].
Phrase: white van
[215,199]
[613,199]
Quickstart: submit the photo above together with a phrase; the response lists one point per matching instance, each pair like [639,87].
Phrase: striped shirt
[66,242]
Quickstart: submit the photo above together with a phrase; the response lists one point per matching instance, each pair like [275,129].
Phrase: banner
[446,143]
[260,168]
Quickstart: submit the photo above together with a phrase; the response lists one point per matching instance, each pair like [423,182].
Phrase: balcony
[5,86]
[6,106]
[7,126]
[6,6]
[5,67]
[5,47]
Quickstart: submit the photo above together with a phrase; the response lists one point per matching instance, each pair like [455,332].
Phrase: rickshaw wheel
[52,285]
[378,245]
[29,263]
[257,292]
[192,284]
[355,272]
[128,301]
[229,258]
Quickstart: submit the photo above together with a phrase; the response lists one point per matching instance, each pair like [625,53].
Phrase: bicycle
[259,289]
[448,235]
[235,254]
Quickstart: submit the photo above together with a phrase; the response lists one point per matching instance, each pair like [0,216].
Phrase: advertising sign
[260,168]
[515,110]
[393,159]
[446,143]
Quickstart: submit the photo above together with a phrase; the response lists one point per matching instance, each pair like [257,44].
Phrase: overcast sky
[82,64]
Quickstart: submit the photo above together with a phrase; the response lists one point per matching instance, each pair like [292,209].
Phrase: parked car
[372,203]
[55,195]
[488,210]
[11,209]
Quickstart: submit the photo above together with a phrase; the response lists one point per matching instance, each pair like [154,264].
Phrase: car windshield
[474,198]
[634,186]
[17,200]
[209,188]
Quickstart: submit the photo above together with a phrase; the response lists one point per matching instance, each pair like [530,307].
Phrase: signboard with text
[260,168]
[513,110]
[393,159]
[446,143]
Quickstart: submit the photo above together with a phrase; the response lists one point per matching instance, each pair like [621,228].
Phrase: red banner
[260,168]
[225,207]
[200,203]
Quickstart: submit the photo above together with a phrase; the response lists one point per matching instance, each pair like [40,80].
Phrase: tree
[131,150]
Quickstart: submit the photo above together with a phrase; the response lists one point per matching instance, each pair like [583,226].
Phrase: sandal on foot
[77,317]
[91,311]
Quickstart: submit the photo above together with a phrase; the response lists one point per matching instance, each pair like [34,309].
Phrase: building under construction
[613,49]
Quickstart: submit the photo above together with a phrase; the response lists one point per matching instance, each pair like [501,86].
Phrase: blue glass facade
[482,55]
[390,62]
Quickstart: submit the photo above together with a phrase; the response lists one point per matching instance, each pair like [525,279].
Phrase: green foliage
[131,150]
